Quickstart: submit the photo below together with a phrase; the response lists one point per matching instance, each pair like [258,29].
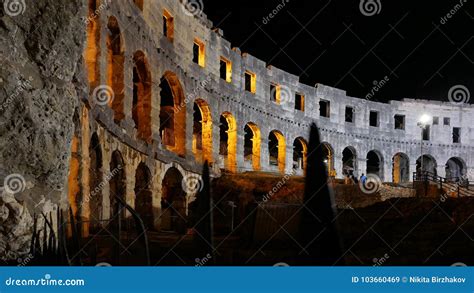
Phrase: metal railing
[456,185]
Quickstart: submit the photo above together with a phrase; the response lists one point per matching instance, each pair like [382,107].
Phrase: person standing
[363,179]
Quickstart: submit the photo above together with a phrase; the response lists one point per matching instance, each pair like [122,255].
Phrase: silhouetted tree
[318,229]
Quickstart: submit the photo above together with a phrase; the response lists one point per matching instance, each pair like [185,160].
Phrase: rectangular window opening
[456,135]
[299,102]
[349,114]
[199,53]
[250,82]
[324,108]
[446,121]
[400,122]
[426,132]
[225,69]
[374,119]
[168,25]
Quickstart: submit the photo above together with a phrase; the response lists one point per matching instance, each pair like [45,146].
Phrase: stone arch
[172,114]
[426,163]
[173,201]
[202,131]
[141,103]
[115,67]
[277,150]
[455,169]
[252,141]
[300,152]
[117,183]
[349,161]
[400,168]
[375,163]
[92,51]
[95,182]
[228,140]
[328,153]
[144,195]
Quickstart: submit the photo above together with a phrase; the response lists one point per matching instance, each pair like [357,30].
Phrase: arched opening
[92,51]
[252,140]
[426,163]
[349,162]
[115,67]
[228,140]
[328,158]
[202,131]
[300,151]
[375,163]
[95,183]
[118,184]
[400,168]
[172,114]
[144,195]
[141,108]
[455,169]
[277,150]
[173,202]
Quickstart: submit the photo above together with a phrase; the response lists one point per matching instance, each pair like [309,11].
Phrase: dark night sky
[343,48]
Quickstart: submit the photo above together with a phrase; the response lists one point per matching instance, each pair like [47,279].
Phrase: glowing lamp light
[424,119]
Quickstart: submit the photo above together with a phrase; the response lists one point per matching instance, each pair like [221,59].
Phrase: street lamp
[423,122]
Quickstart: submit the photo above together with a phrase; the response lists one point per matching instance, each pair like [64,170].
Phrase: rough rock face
[41,78]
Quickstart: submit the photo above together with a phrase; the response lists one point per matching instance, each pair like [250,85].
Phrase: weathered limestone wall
[41,78]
